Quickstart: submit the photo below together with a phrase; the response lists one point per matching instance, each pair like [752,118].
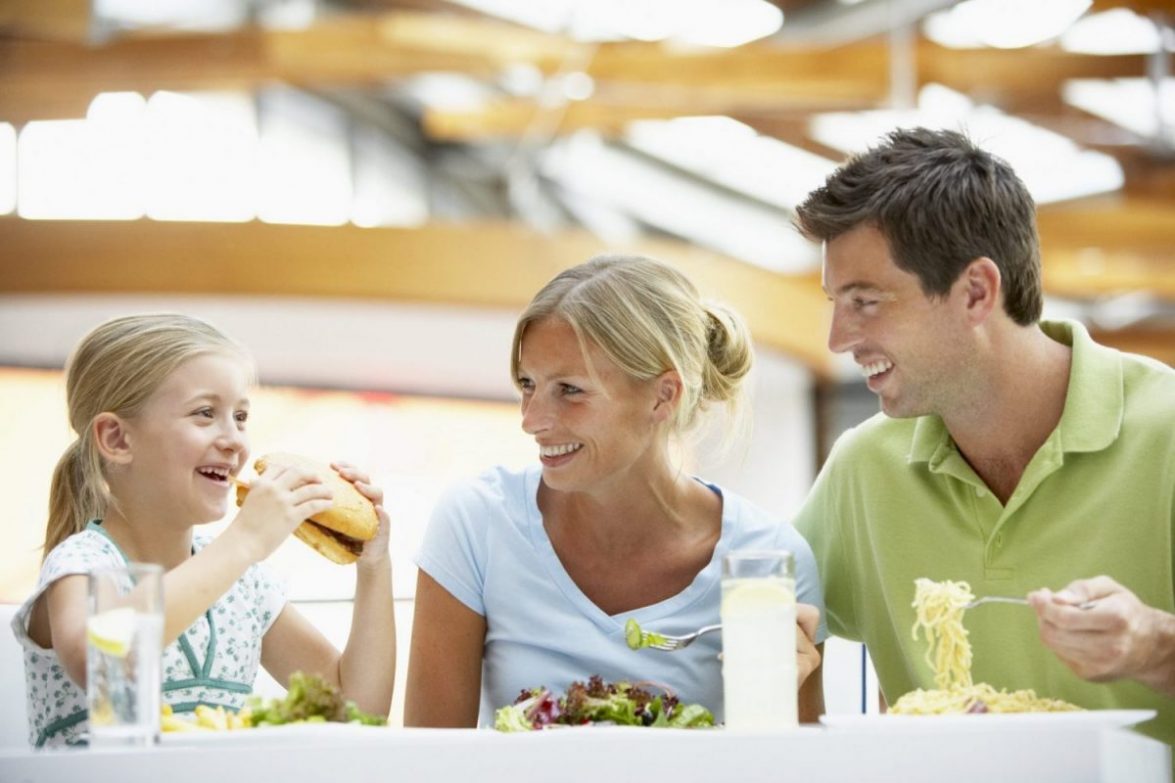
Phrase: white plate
[271,735]
[1010,721]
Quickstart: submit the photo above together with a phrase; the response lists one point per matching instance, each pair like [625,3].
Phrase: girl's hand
[278,501]
[375,551]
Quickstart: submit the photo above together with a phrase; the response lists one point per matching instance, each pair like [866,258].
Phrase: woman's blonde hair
[648,318]
[116,368]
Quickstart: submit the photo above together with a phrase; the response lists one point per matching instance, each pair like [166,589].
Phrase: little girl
[159,405]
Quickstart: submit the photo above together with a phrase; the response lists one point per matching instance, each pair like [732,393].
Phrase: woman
[528,577]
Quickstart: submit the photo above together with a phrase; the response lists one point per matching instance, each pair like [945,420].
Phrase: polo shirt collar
[1095,402]
[1092,417]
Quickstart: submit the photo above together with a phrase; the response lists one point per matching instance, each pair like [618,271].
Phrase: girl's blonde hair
[116,368]
[648,318]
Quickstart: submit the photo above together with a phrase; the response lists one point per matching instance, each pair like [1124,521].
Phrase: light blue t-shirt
[487,546]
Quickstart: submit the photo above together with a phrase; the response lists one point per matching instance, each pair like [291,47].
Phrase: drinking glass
[759,640]
[124,644]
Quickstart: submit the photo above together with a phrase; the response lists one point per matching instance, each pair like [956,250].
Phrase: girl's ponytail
[77,493]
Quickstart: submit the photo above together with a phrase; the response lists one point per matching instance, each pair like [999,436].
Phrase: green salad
[309,699]
[620,704]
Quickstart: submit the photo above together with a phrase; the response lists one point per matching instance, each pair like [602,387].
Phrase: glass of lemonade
[759,640]
[124,645]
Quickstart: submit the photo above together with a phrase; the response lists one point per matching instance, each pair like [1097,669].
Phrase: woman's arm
[444,667]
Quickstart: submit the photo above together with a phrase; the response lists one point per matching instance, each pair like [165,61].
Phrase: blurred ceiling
[523,148]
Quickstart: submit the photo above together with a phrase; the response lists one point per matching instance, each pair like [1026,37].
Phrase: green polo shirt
[896,501]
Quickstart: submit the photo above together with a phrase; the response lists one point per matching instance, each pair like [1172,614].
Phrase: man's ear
[668,385]
[981,289]
[112,438]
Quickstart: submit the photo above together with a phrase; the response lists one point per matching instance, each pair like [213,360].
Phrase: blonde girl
[159,404]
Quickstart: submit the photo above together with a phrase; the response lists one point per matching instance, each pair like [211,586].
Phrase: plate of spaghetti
[956,699]
[1010,721]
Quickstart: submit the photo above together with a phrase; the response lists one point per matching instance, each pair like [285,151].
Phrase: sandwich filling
[352,545]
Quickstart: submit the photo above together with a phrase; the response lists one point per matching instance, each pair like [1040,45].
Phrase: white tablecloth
[1072,753]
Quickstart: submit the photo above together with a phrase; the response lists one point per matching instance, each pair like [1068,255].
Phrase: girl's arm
[365,672]
[444,667]
[277,503]
[62,610]
[275,506]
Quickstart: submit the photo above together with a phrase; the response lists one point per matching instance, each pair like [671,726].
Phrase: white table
[1070,754]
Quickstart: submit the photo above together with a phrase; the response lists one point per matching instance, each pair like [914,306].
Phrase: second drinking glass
[759,640]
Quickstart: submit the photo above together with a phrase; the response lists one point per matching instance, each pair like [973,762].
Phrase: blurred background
[366,193]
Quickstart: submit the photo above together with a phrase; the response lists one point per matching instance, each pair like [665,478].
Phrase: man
[1012,454]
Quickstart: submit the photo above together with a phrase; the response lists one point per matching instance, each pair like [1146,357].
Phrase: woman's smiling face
[593,423]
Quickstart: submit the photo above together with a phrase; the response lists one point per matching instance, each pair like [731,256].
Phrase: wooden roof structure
[1094,248]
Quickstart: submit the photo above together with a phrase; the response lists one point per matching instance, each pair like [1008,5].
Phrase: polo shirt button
[980,492]
[999,540]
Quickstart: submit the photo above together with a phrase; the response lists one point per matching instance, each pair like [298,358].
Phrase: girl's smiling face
[593,423]
[189,438]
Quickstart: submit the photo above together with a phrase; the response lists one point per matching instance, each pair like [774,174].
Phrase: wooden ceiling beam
[1097,272]
[1141,224]
[990,74]
[485,265]
[67,20]
[1144,7]
[41,79]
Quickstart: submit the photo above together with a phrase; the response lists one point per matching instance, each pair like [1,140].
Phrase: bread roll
[339,532]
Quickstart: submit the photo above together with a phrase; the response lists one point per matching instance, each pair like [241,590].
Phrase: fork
[667,643]
[1003,599]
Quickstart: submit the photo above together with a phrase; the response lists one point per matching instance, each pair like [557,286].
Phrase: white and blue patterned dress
[213,662]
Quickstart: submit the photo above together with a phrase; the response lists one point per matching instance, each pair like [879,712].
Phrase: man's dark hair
[941,202]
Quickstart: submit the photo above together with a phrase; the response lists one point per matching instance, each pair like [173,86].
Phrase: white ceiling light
[448,91]
[1006,24]
[1052,167]
[1133,104]
[177,14]
[700,213]
[201,157]
[722,23]
[91,169]
[732,154]
[1117,31]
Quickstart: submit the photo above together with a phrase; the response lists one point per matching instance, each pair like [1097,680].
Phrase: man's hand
[1118,637]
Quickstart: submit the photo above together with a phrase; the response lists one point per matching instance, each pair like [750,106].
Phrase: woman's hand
[278,501]
[375,551]
[807,655]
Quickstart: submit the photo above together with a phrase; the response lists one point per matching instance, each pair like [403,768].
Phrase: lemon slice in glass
[112,631]
[757,595]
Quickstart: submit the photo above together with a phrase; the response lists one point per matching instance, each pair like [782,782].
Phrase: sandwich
[339,532]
